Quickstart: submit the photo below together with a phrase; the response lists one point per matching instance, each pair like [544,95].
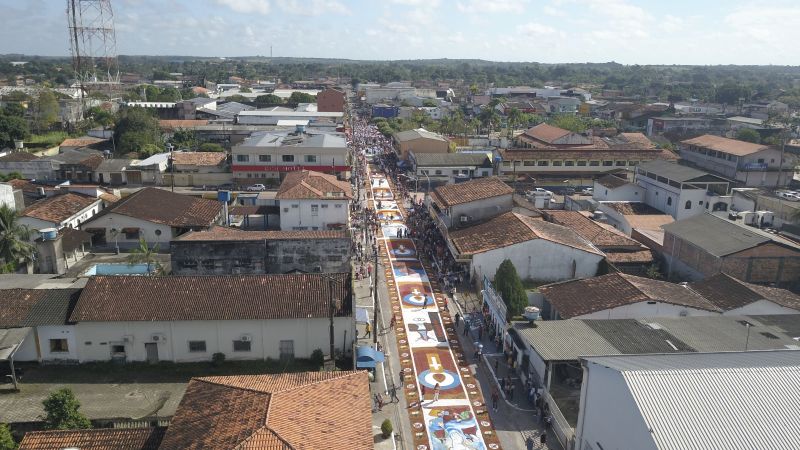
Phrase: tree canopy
[15,246]
[61,411]
[12,126]
[6,440]
[509,285]
[748,135]
[302,97]
[270,99]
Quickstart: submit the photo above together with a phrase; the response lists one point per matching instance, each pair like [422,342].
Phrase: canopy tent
[367,357]
[362,316]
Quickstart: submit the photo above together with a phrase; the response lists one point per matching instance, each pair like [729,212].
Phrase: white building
[157,215]
[271,116]
[59,211]
[313,201]
[681,191]
[450,167]
[627,216]
[184,319]
[539,250]
[615,189]
[462,204]
[270,155]
[675,402]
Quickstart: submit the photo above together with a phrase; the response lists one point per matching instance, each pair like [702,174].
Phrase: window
[608,163]
[338,206]
[242,158]
[285,209]
[241,346]
[59,346]
[557,163]
[594,163]
[287,350]
[287,158]
[438,172]
[264,158]
[688,204]
[310,158]
[633,163]
[117,349]
[158,232]
[197,346]
[296,205]
[189,264]
[208,264]
[581,163]
[542,163]
[455,172]
[760,160]
[620,163]
[528,163]
[314,210]
[249,175]
[505,164]
[324,206]
[669,201]
[569,163]
[131,233]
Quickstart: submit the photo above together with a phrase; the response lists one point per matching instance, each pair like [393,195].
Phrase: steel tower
[92,42]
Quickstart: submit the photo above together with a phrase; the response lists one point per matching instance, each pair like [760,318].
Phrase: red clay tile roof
[470,191]
[59,208]
[612,181]
[199,158]
[725,145]
[512,228]
[19,157]
[579,297]
[307,184]
[165,207]
[32,307]
[644,256]
[730,293]
[591,230]
[233,297]
[633,208]
[235,234]
[94,439]
[589,154]
[311,410]
[546,133]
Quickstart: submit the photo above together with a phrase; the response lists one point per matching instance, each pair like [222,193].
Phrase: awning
[11,339]
[362,315]
[367,357]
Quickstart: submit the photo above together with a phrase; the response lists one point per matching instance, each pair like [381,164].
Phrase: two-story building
[420,141]
[198,169]
[313,201]
[450,167]
[745,162]
[270,155]
[681,191]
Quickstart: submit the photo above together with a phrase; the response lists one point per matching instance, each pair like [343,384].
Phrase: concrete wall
[646,309]
[606,409]
[672,200]
[539,260]
[7,196]
[95,338]
[31,350]
[423,145]
[197,179]
[299,214]
[761,307]
[626,193]
[151,232]
[480,209]
[38,170]
[257,257]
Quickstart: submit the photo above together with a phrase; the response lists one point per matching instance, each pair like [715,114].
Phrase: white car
[256,188]
[588,191]
[791,197]
[539,192]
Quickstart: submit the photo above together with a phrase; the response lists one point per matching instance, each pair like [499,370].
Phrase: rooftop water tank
[224,196]
[48,234]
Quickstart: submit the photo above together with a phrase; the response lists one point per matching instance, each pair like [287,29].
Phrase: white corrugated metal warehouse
[721,401]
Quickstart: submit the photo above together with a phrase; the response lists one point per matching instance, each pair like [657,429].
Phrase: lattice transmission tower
[93,43]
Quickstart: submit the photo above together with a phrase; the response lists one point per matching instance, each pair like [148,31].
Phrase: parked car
[226,187]
[587,191]
[791,197]
[256,187]
[539,192]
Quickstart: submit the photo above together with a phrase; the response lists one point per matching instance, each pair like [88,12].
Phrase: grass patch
[163,372]
[51,139]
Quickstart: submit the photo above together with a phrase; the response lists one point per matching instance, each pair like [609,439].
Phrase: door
[151,348]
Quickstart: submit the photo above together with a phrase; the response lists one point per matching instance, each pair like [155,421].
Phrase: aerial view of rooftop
[399,225]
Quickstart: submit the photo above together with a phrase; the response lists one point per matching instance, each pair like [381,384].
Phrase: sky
[705,32]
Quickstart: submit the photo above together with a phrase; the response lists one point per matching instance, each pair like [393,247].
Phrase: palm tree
[14,240]
[514,118]
[145,255]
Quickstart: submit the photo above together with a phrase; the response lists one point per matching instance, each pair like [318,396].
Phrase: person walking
[543,438]
[458,319]
[436,390]
[402,377]
[422,392]
[529,443]
[495,398]
[368,330]
[393,393]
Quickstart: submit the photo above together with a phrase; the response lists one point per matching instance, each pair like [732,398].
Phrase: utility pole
[332,306]
[375,299]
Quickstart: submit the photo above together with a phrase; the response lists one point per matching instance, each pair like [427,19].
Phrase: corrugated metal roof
[564,340]
[696,361]
[671,170]
[727,407]
[10,340]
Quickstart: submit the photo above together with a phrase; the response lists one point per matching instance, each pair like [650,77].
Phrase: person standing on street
[458,319]
[368,330]
[393,393]
[402,377]
[495,398]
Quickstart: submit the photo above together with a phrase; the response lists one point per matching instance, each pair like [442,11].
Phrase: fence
[561,428]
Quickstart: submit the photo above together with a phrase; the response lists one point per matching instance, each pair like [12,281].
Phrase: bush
[61,411]
[217,359]
[6,440]
[386,428]
[317,357]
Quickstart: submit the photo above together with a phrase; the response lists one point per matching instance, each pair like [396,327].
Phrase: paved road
[456,416]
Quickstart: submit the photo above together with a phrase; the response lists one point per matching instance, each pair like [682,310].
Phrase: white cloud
[536,29]
[416,2]
[553,11]
[491,6]
[315,8]
[247,6]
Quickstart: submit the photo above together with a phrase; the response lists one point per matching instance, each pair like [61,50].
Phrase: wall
[646,309]
[7,196]
[307,334]
[626,193]
[197,179]
[44,333]
[538,260]
[39,170]
[480,209]
[147,230]
[761,307]
[606,409]
[259,256]
[302,218]
[423,145]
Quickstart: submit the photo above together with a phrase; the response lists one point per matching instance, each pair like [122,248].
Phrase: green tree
[237,98]
[135,128]
[514,118]
[302,97]
[100,116]
[509,285]
[6,440]
[61,411]
[14,109]
[567,122]
[428,103]
[45,110]
[748,135]
[269,99]
[184,138]
[210,147]
[15,243]
[11,128]
[245,90]
[144,254]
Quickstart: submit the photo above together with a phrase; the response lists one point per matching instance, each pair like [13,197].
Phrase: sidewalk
[515,419]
